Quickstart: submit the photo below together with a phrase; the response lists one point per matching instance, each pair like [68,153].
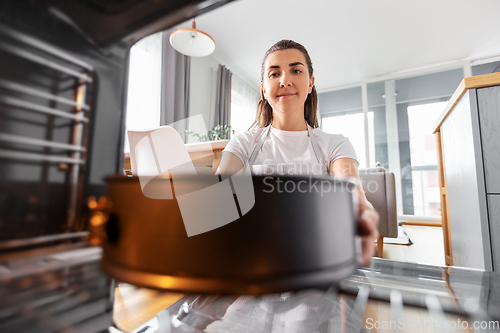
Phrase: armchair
[380,189]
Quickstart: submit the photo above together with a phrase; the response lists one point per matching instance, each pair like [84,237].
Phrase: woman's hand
[367,216]
[367,229]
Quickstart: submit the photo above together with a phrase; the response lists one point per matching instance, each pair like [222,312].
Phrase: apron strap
[315,145]
[258,146]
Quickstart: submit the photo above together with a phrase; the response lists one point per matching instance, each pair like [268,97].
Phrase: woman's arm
[368,217]
[230,164]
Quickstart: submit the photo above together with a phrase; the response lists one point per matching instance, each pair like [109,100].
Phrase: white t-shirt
[284,147]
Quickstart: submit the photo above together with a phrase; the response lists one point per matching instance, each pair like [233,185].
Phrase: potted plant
[215,133]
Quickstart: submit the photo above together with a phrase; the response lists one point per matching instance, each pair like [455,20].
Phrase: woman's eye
[271,75]
[297,71]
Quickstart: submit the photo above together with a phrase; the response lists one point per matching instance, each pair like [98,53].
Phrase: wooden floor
[135,306]
[427,247]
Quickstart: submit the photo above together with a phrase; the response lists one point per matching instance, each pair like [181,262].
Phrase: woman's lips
[286,95]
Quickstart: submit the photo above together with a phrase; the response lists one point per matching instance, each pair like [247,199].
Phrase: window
[486,68]
[421,173]
[342,113]
[404,114]
[401,113]
[243,105]
[352,127]
[144,82]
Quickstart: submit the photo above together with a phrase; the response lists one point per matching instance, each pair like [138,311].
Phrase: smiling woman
[286,139]
[286,85]
[287,70]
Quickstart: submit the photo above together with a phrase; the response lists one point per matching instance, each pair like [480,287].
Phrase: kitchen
[49,200]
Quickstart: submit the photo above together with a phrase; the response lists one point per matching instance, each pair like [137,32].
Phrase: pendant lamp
[192,42]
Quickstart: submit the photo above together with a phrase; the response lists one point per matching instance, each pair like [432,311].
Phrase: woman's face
[286,81]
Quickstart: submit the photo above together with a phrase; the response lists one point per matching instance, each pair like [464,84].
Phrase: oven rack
[46,111]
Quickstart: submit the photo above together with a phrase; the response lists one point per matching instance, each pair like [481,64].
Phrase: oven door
[387,296]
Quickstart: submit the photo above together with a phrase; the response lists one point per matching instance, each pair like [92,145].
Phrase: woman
[282,138]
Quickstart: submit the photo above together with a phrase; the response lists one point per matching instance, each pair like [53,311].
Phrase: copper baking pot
[297,234]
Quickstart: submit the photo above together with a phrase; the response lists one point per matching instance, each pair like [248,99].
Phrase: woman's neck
[289,122]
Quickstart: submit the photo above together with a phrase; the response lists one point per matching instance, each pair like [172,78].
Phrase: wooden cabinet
[489,113]
[468,135]
[494,219]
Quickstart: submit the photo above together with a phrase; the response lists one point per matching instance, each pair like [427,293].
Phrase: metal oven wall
[34,195]
[50,279]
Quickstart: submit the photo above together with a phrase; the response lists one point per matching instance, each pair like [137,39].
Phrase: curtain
[244,102]
[223,96]
[175,73]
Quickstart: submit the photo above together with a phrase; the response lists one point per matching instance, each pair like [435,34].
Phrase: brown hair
[264,116]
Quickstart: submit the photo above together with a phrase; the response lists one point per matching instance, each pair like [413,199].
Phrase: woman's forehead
[284,58]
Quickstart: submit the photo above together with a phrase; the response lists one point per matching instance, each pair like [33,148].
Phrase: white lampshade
[192,42]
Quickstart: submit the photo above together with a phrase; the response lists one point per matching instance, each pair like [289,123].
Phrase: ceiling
[351,41]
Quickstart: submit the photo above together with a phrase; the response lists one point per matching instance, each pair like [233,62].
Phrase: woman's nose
[285,81]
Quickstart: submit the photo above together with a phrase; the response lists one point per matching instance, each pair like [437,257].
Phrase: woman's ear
[263,90]
[311,84]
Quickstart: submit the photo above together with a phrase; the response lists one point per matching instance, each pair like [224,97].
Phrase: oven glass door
[388,295]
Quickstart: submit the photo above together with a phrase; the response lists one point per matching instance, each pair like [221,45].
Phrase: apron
[304,311]
[320,168]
